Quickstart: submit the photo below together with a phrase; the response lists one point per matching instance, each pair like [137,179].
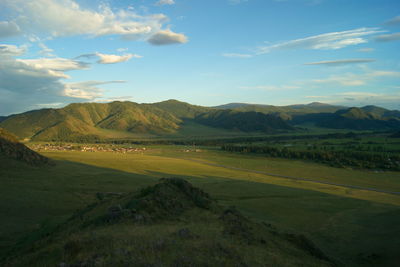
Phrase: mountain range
[129,119]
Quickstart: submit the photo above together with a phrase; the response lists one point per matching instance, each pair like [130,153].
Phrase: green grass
[389,181]
[354,226]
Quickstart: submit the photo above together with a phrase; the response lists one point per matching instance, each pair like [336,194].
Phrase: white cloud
[237,55]
[11,50]
[26,82]
[50,105]
[111,59]
[388,37]
[326,41]
[67,18]
[45,51]
[54,64]
[165,2]
[8,28]
[85,90]
[165,37]
[342,62]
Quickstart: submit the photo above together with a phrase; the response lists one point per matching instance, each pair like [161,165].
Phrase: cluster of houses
[86,148]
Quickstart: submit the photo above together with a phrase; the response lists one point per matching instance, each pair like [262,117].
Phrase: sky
[208,52]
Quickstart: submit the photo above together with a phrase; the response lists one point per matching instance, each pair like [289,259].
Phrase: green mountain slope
[181,109]
[169,224]
[10,148]
[91,120]
[243,121]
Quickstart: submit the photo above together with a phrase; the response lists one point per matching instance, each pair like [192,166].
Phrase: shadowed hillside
[366,118]
[11,148]
[169,224]
[243,121]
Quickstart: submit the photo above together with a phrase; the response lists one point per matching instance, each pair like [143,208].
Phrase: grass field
[355,227]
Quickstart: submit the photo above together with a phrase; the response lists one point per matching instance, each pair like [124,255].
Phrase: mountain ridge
[80,121]
[94,121]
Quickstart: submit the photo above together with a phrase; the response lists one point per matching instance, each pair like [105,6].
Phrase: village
[86,148]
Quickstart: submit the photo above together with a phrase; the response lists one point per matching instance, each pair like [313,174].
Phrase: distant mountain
[382,113]
[235,105]
[93,121]
[243,121]
[10,148]
[2,118]
[181,110]
[365,118]
[284,112]
[89,121]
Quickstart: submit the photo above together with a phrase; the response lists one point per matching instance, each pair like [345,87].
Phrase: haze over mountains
[124,119]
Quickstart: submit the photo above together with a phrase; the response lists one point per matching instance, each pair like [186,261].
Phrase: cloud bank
[67,18]
[25,82]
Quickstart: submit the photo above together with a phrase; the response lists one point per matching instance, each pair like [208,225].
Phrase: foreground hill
[95,120]
[10,148]
[169,224]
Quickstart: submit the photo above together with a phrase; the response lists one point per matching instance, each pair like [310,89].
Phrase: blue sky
[279,52]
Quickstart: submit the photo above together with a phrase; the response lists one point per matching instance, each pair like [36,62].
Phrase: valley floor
[354,226]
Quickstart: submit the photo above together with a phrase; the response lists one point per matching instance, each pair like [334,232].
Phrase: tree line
[358,159]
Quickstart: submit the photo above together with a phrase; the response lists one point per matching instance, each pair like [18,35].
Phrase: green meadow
[355,227]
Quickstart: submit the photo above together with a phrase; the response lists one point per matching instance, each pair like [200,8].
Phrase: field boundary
[297,178]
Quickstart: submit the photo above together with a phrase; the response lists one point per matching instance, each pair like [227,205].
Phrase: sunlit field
[350,224]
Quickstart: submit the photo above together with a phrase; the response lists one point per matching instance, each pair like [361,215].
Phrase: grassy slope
[89,119]
[347,227]
[11,148]
[214,236]
[389,181]
[129,120]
